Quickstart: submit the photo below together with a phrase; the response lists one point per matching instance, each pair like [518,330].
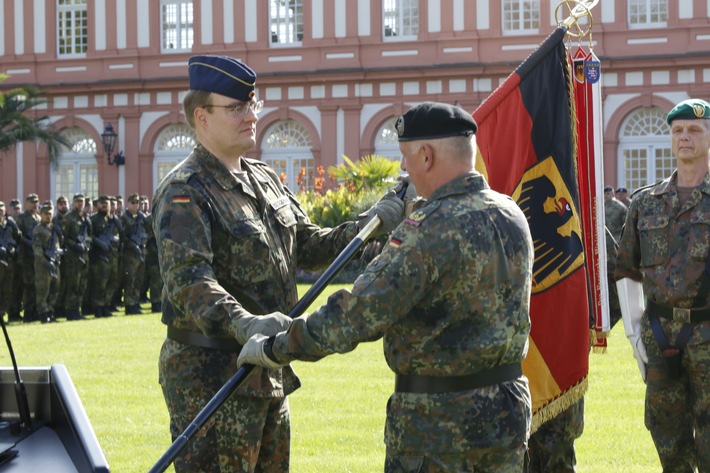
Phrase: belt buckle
[681,315]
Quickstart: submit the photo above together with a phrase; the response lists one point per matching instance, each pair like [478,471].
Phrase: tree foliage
[19,123]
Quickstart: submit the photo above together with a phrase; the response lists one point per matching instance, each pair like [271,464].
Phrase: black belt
[414,383]
[678,314]
[199,340]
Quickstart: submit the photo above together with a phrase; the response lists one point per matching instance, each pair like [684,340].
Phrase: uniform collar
[470,182]
[669,183]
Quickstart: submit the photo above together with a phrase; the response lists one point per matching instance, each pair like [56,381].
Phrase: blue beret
[222,75]
[691,109]
[431,120]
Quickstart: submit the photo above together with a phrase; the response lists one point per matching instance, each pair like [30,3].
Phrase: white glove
[253,354]
[269,324]
[389,208]
[632,307]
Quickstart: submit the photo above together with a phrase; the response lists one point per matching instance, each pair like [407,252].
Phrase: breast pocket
[699,235]
[248,252]
[654,239]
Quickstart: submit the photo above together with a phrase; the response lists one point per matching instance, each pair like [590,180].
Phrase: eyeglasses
[241,109]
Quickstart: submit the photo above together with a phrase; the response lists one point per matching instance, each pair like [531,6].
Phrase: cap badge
[399,125]
[699,110]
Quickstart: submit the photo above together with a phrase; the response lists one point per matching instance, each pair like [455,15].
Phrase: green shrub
[369,172]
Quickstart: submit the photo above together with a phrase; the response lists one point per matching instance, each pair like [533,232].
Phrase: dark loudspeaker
[59,438]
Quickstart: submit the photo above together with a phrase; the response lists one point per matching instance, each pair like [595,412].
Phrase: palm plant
[17,125]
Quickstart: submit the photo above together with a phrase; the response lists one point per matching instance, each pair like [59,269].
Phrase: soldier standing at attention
[105,237]
[614,213]
[664,256]
[117,278]
[10,238]
[27,221]
[15,302]
[450,294]
[47,253]
[152,267]
[76,229]
[133,254]
[60,212]
[229,237]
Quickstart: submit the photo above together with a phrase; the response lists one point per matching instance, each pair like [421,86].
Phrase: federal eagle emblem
[554,224]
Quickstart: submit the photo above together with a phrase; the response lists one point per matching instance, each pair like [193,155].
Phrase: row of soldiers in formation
[77,261]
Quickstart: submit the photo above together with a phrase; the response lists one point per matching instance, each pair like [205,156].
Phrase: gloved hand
[253,354]
[269,324]
[389,208]
[631,302]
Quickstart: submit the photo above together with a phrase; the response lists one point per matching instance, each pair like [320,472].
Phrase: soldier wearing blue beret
[229,238]
[450,296]
[664,292]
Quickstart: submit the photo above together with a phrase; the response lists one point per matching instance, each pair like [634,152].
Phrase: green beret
[47,208]
[134,198]
[432,120]
[691,109]
[104,198]
[78,197]
[32,198]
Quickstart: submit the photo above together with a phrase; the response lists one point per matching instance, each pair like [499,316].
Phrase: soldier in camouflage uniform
[663,256]
[614,213]
[450,294]
[105,236]
[229,236]
[133,254]
[10,238]
[27,221]
[15,302]
[46,245]
[117,279]
[61,211]
[152,267]
[76,229]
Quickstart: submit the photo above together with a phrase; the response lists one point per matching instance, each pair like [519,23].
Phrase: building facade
[334,74]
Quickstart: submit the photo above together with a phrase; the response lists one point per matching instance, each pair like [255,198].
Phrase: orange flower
[282,177]
[320,170]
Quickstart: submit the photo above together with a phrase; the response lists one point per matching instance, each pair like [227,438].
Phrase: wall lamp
[108,138]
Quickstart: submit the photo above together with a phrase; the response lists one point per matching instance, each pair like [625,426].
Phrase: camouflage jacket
[227,250]
[450,294]
[76,229]
[26,222]
[664,245]
[614,217]
[42,240]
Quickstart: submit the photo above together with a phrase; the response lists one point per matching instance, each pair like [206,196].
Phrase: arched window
[173,145]
[287,149]
[77,170]
[644,148]
[386,143]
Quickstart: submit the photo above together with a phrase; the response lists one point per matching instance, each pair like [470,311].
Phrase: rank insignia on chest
[280,202]
[181,199]
[415,218]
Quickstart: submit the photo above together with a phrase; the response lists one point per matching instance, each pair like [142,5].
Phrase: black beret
[104,198]
[2,204]
[135,197]
[32,198]
[14,202]
[622,189]
[691,109]
[78,197]
[431,120]
[608,189]
[222,75]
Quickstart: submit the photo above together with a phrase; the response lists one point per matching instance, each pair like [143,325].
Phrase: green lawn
[337,416]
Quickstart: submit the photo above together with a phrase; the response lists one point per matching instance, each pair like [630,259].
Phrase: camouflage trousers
[246,434]
[74,275]
[484,460]
[6,275]
[100,273]
[46,286]
[155,282]
[676,410]
[133,269]
[551,447]
[29,295]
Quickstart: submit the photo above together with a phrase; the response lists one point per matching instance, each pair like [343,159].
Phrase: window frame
[76,6]
[647,5]
[179,24]
[403,10]
[292,26]
[518,6]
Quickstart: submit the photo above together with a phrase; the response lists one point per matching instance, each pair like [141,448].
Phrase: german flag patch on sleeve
[181,199]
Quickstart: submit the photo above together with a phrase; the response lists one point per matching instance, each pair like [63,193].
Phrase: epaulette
[649,186]
[417,217]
